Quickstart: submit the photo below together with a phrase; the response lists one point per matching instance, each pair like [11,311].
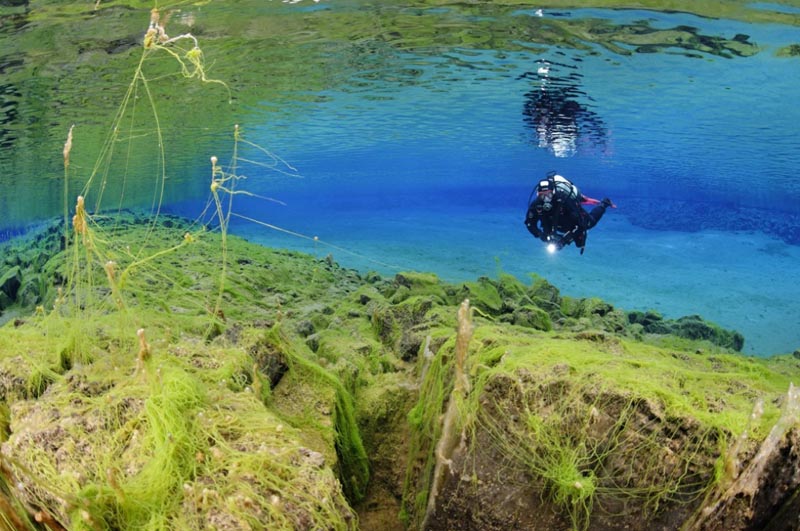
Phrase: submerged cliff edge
[203,382]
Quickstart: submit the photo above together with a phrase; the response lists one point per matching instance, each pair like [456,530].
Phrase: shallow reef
[203,382]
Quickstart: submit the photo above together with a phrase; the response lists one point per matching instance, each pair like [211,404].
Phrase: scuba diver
[556,216]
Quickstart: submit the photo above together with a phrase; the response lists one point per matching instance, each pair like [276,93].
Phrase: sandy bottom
[745,281]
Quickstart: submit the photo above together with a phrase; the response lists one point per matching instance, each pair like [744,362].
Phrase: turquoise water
[416,134]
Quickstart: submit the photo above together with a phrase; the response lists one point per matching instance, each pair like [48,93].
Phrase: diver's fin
[607,202]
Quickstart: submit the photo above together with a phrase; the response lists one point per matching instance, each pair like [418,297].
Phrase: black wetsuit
[566,217]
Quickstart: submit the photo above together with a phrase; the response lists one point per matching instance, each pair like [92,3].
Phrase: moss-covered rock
[691,327]
[649,319]
[532,317]
[400,326]
[695,327]
[409,284]
[483,294]
[792,50]
[545,294]
[32,290]
[511,290]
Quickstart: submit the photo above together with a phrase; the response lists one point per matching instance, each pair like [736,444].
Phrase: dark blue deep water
[413,134]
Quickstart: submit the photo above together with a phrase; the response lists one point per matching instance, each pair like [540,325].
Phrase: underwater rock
[30,293]
[695,327]
[592,313]
[409,345]
[793,50]
[393,322]
[532,317]
[270,361]
[305,328]
[546,296]
[408,284]
[509,287]
[10,281]
[761,493]
[587,307]
[161,443]
[647,319]
[553,451]
[774,500]
[483,294]
[13,378]
[691,327]
[313,342]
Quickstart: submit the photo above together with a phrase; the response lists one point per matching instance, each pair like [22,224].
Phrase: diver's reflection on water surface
[554,112]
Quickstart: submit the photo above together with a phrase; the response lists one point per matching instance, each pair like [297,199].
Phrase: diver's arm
[532,224]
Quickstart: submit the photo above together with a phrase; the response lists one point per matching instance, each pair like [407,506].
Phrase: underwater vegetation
[159,373]
[323,398]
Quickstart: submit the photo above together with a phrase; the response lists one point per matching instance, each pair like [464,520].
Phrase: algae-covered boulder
[483,294]
[691,327]
[648,320]
[510,288]
[401,326]
[545,295]
[32,290]
[592,313]
[409,284]
[585,307]
[532,317]
[695,327]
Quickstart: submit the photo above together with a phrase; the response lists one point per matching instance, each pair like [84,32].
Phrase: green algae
[602,377]
[792,50]
[352,459]
[328,400]
[177,398]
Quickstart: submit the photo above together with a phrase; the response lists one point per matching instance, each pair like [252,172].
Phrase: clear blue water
[436,177]
[423,157]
